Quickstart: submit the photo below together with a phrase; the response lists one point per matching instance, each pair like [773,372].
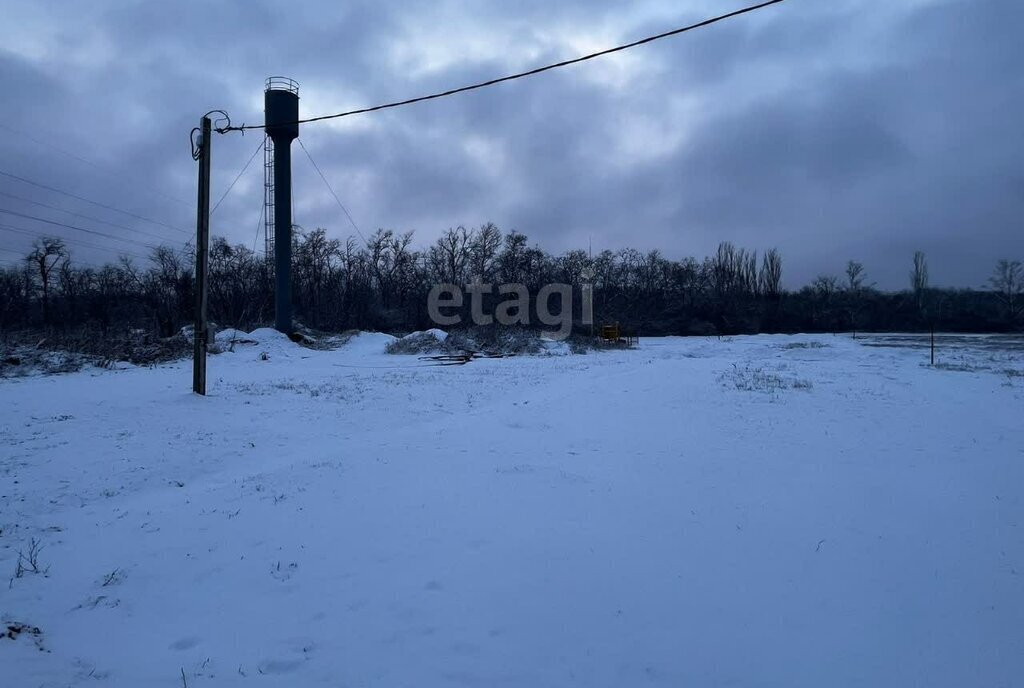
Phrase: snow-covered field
[760,511]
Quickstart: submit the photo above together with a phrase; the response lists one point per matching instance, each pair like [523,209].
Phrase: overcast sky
[832,130]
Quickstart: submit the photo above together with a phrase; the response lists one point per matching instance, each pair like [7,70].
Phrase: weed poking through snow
[750,378]
[29,563]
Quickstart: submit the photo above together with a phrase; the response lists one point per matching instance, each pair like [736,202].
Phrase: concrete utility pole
[200,335]
[281,113]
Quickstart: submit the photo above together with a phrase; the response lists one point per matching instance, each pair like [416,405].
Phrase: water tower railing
[282,83]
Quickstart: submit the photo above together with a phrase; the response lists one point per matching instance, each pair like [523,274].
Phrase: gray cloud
[824,129]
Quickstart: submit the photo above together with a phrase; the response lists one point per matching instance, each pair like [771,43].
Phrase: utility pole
[590,268]
[933,343]
[200,336]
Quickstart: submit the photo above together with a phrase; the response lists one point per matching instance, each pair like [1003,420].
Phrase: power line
[96,203]
[79,158]
[259,224]
[328,185]
[232,185]
[81,215]
[77,228]
[520,75]
[10,262]
[74,242]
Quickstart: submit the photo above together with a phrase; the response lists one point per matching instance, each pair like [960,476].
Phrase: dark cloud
[823,129]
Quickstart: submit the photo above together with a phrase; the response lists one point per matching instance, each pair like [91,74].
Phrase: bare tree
[315,261]
[826,286]
[854,276]
[1007,282]
[685,280]
[15,295]
[383,285]
[771,274]
[450,256]
[512,259]
[47,253]
[919,280]
[483,251]
[571,266]
[724,270]
[748,273]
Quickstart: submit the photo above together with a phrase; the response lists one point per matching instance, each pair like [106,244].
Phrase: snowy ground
[760,511]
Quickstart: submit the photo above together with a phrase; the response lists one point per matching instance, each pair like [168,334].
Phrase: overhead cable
[511,77]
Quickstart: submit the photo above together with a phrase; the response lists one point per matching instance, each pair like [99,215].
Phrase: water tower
[281,115]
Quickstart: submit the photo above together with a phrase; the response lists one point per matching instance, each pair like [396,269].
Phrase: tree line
[383,283]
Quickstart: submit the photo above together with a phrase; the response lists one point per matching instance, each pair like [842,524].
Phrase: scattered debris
[463,357]
[13,629]
[113,578]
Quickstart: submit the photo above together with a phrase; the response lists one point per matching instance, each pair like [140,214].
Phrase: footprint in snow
[279,666]
[186,643]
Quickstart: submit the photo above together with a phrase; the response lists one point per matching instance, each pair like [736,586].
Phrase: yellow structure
[610,333]
[613,335]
